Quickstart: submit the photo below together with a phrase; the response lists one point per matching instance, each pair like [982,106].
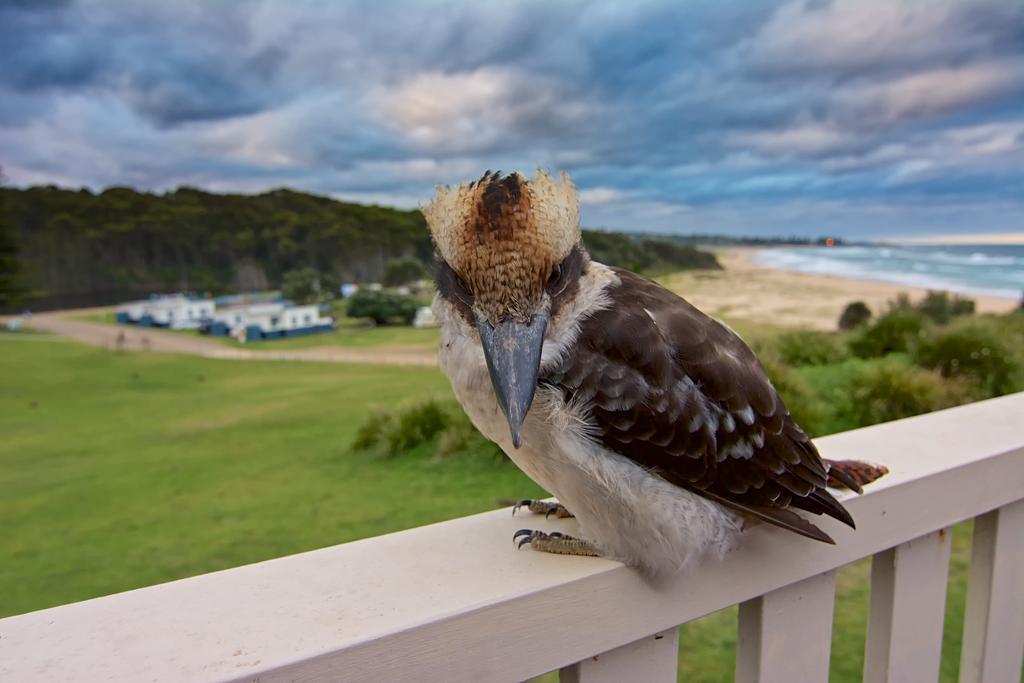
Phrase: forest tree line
[78,248]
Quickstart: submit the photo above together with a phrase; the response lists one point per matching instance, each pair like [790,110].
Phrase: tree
[86,247]
[941,308]
[402,271]
[894,332]
[12,282]
[103,247]
[854,315]
[382,307]
[308,286]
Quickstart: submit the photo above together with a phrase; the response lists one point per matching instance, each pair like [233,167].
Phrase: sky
[855,118]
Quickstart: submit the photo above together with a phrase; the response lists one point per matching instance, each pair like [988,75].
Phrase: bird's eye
[555,277]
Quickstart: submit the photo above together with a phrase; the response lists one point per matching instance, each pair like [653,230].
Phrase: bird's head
[510,256]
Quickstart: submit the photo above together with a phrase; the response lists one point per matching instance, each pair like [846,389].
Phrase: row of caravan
[175,311]
[267,321]
[252,321]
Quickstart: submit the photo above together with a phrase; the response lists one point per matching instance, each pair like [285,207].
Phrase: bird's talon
[542,507]
[526,502]
[554,542]
[527,536]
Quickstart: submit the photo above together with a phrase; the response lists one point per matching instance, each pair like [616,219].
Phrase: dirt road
[151,339]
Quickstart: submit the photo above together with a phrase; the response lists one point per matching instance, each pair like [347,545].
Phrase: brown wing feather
[681,394]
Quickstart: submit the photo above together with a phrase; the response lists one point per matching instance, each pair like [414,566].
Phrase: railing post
[993,643]
[908,604]
[655,658]
[786,635]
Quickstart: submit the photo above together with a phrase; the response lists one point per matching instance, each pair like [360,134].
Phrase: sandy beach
[746,290]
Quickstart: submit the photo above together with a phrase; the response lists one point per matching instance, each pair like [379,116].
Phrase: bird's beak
[512,350]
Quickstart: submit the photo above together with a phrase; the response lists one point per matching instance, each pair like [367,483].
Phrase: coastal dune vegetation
[914,358]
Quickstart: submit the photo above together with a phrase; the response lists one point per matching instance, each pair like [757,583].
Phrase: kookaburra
[652,423]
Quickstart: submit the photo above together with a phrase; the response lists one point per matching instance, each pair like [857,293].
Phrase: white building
[424,317]
[175,311]
[239,315]
[251,321]
[268,321]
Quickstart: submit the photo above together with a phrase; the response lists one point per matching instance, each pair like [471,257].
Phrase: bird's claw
[554,542]
[542,507]
[524,536]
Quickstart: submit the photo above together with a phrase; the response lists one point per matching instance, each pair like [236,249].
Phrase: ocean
[993,269]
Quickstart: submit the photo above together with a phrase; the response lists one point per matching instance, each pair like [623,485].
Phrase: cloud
[844,38]
[709,116]
[805,138]
[479,111]
[931,92]
[601,195]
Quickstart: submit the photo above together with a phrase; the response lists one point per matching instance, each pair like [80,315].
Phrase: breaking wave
[995,270]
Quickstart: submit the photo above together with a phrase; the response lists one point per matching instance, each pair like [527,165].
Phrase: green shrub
[443,425]
[462,437]
[371,431]
[977,351]
[382,307]
[889,391]
[399,272]
[1010,327]
[895,331]
[854,315]
[308,286]
[649,256]
[801,401]
[807,347]
[901,302]
[940,307]
[414,426]
[961,306]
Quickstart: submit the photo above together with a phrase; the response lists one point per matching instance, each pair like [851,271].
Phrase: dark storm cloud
[170,73]
[668,114]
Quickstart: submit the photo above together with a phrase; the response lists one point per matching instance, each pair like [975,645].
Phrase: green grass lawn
[23,333]
[353,334]
[124,470]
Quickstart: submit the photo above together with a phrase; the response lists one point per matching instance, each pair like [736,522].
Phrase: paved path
[152,339]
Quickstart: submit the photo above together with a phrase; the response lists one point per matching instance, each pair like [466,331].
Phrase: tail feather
[821,502]
[853,474]
[781,517]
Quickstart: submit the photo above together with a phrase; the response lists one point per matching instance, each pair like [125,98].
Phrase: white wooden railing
[455,602]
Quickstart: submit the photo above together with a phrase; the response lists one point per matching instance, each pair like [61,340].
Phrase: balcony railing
[455,602]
